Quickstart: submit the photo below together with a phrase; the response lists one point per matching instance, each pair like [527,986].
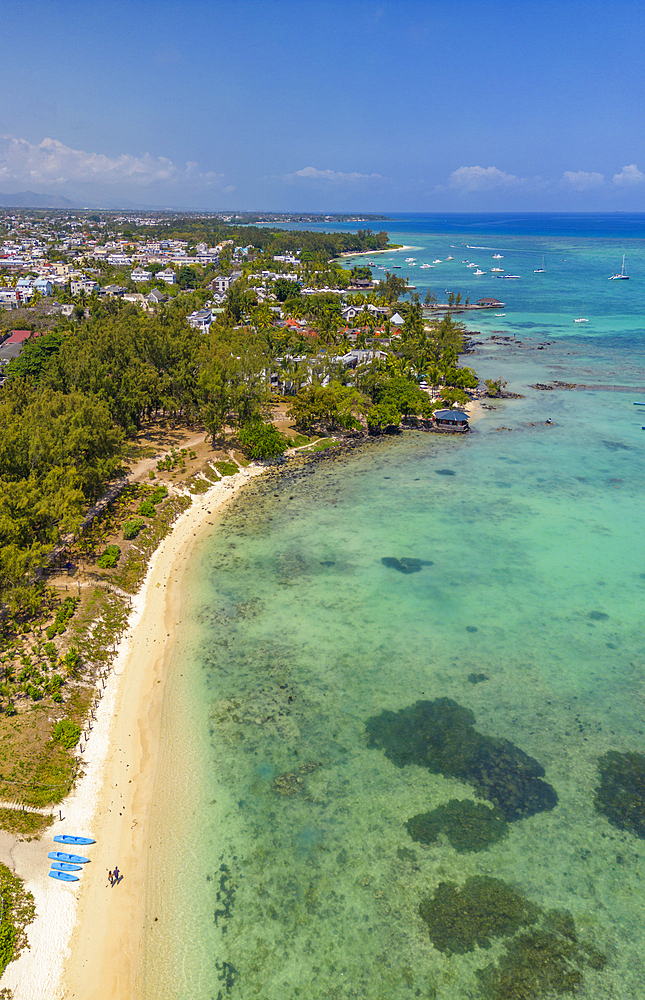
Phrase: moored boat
[68,838]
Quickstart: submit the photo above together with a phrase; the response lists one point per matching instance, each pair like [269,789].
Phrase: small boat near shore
[67,838]
[63,876]
[72,859]
[63,866]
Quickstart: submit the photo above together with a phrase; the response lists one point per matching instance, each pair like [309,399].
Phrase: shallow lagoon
[302,879]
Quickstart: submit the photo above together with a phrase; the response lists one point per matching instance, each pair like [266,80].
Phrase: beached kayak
[67,838]
[74,859]
[63,876]
[63,866]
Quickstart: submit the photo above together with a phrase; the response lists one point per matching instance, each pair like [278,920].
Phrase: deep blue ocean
[404,723]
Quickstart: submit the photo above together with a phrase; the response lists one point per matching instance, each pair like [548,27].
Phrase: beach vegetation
[259,440]
[146,508]
[109,557]
[66,733]
[17,912]
[226,468]
[132,527]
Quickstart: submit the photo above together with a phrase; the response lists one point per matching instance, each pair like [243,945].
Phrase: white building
[168,276]
[201,320]
[139,274]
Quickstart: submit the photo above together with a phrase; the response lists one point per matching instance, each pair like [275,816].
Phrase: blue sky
[388,105]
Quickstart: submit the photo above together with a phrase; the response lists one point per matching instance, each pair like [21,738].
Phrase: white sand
[85,940]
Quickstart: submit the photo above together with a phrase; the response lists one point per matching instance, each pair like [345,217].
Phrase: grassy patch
[226,468]
[27,823]
[134,564]
[321,445]
[197,485]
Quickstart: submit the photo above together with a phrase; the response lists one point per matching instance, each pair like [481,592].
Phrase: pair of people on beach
[114,877]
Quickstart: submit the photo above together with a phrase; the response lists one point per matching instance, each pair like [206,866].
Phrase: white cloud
[481,179]
[335,176]
[629,176]
[581,180]
[52,162]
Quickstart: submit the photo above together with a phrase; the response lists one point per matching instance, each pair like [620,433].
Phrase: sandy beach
[85,941]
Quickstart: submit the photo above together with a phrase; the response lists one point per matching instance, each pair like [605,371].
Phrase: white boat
[498,256]
[500,314]
[409,260]
[622,276]
[512,275]
[472,265]
[450,258]
[426,265]
[497,270]
[581,319]
[540,270]
[437,261]
[479,272]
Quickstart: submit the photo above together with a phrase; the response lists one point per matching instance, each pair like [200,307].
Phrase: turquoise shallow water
[293,873]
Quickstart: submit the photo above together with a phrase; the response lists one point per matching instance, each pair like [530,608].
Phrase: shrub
[67,733]
[226,468]
[57,697]
[159,494]
[261,440]
[109,558]
[132,527]
[146,508]
[50,650]
[151,474]
[72,662]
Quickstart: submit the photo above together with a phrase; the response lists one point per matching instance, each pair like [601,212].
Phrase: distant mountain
[29,199]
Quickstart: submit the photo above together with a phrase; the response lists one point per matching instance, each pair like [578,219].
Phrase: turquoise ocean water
[281,865]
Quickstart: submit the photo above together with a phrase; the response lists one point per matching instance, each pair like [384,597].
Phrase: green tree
[262,440]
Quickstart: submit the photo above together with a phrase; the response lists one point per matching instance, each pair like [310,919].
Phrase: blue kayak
[63,866]
[74,859]
[67,838]
[63,876]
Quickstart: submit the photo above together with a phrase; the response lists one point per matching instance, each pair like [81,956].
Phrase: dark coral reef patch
[406,564]
[542,953]
[482,909]
[544,960]
[469,826]
[440,735]
[621,794]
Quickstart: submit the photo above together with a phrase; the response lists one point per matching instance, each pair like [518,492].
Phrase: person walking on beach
[111,878]
[116,875]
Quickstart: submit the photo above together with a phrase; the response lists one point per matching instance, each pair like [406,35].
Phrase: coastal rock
[293,782]
[440,735]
